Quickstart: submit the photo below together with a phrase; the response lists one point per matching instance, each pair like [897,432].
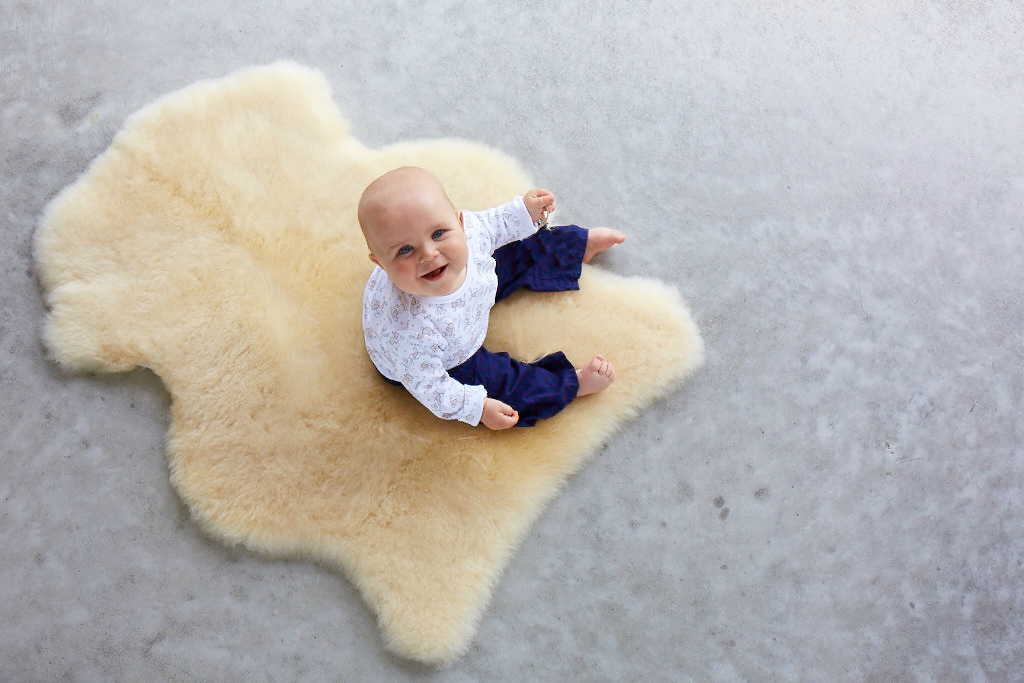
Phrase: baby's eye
[402,251]
[438,234]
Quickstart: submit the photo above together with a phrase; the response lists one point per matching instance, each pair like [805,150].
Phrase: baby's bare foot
[599,239]
[597,376]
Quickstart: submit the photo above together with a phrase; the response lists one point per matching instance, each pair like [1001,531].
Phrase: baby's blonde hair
[392,187]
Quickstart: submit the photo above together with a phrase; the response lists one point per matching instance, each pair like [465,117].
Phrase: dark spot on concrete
[719,501]
[762,493]
[724,566]
[77,109]
[723,514]
[912,606]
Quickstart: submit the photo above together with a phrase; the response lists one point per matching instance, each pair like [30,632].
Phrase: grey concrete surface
[837,190]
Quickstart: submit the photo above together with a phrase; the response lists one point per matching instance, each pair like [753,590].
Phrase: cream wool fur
[215,242]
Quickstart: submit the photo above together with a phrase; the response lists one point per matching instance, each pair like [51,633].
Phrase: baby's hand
[537,201]
[498,415]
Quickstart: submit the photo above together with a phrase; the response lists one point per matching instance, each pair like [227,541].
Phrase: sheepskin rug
[216,243]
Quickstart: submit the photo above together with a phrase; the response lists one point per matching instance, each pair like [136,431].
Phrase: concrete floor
[837,190]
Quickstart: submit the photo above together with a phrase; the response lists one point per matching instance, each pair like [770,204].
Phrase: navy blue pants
[547,261]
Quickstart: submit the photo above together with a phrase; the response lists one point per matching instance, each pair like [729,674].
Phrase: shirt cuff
[519,206]
[474,410]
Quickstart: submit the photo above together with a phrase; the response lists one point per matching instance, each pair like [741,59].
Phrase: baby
[427,304]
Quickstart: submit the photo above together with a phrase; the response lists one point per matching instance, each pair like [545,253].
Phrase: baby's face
[419,242]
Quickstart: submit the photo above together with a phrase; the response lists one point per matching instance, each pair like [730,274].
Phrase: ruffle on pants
[547,261]
[536,390]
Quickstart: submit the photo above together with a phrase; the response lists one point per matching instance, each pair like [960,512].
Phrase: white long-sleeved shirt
[416,339]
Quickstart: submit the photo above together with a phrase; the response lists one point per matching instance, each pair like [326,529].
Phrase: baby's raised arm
[537,200]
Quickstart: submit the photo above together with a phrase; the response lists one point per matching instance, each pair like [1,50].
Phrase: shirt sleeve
[423,375]
[506,223]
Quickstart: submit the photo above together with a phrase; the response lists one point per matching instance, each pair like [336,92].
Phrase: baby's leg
[599,239]
[547,261]
[537,390]
[596,376]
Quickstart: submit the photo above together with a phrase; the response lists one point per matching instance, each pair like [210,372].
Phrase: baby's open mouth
[436,274]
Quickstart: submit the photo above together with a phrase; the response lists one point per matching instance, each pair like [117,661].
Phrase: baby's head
[413,232]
